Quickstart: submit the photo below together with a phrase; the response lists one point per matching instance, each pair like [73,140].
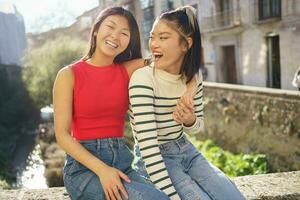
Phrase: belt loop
[119,142]
[181,142]
[98,144]
[110,143]
[161,147]
[178,144]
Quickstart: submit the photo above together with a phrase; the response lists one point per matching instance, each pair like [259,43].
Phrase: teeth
[157,56]
[111,44]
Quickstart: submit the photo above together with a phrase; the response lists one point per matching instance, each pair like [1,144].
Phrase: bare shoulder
[65,73]
[64,77]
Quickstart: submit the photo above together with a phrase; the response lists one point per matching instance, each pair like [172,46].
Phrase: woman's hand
[183,114]
[110,179]
[187,98]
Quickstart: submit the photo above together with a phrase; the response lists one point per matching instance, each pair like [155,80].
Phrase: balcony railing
[221,20]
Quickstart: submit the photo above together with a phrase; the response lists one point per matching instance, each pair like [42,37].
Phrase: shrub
[42,64]
[230,164]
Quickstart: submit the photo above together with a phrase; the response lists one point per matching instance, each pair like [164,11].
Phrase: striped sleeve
[141,96]
[198,102]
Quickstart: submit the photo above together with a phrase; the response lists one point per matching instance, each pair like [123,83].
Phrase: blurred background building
[253,42]
[248,42]
[12,35]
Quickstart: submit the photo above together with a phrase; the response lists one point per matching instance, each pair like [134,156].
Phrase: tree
[17,114]
[42,64]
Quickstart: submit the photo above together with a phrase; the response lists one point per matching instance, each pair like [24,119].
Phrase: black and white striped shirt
[153,96]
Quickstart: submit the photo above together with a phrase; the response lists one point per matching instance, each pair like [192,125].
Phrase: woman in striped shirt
[165,155]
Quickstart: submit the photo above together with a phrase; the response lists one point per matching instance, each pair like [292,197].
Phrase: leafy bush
[230,164]
[42,64]
[4,184]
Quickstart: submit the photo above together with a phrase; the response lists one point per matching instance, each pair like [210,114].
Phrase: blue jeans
[82,183]
[192,175]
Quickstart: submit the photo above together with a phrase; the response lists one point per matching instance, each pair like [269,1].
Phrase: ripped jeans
[82,183]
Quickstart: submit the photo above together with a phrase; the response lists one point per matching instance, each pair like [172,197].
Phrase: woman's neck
[99,59]
[173,68]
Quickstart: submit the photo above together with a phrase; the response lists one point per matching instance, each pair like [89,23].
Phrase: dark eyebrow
[161,33]
[126,29]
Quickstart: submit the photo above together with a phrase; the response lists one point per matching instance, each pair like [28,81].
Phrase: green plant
[230,164]
[42,64]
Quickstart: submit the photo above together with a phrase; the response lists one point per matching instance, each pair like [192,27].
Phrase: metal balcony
[221,20]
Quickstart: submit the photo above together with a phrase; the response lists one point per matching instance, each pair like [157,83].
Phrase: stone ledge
[277,186]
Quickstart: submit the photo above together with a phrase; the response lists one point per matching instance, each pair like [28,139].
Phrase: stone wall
[253,119]
[278,186]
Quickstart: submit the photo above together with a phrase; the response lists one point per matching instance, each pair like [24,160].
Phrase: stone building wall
[252,119]
[248,36]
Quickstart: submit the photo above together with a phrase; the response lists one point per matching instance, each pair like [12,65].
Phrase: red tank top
[100,101]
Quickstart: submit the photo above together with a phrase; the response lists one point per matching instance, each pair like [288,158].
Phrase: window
[224,12]
[269,9]
[148,12]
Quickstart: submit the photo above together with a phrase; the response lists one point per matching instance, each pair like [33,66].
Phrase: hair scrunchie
[191,14]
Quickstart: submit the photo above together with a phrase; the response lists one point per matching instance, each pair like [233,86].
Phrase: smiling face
[166,47]
[113,37]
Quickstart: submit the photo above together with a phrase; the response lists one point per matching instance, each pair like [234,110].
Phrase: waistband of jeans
[103,142]
[179,142]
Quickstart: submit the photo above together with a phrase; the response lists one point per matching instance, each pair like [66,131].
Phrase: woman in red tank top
[90,100]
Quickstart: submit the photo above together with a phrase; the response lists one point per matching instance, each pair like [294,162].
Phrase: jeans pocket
[82,186]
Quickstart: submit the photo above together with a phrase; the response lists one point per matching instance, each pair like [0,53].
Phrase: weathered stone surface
[274,186]
[55,193]
[254,120]
[277,186]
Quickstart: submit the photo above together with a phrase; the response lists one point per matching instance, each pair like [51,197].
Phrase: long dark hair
[133,49]
[184,21]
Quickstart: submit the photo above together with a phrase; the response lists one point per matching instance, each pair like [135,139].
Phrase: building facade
[251,42]
[12,35]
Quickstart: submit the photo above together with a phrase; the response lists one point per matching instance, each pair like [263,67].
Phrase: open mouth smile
[112,44]
[157,55]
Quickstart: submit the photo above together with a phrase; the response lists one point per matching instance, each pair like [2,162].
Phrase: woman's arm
[133,65]
[191,89]
[63,102]
[191,119]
